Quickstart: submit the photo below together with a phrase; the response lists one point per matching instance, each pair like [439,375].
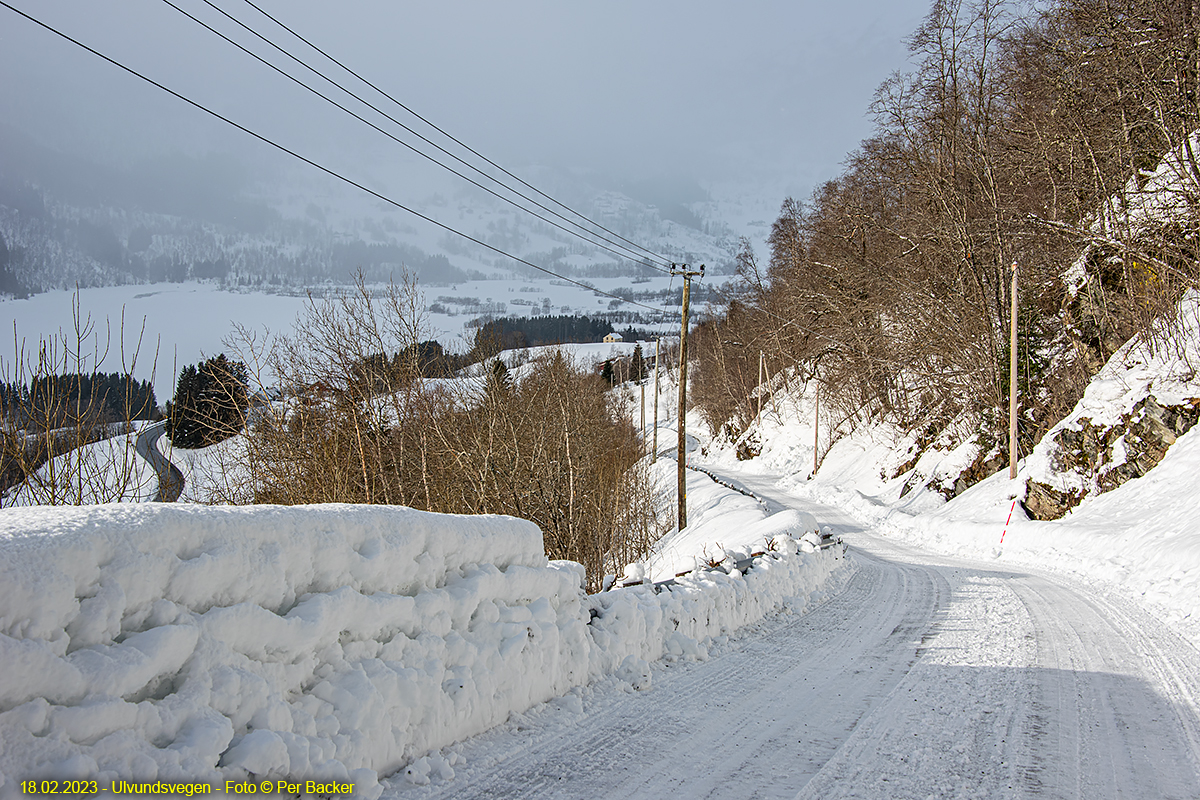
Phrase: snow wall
[193,643]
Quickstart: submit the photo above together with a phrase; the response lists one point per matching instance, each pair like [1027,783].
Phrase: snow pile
[173,642]
[721,522]
[635,625]
[707,596]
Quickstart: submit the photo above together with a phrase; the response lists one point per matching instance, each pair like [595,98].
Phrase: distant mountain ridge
[66,220]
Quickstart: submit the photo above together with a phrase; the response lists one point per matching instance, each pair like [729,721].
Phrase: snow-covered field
[180,324]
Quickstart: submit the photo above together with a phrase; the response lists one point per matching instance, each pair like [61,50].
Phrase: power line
[310,162]
[638,258]
[452,138]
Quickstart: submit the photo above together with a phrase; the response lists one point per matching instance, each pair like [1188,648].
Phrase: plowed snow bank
[158,642]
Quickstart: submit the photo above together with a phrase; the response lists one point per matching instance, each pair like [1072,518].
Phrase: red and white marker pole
[1009,520]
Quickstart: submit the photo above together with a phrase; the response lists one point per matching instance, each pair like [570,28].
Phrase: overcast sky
[712,90]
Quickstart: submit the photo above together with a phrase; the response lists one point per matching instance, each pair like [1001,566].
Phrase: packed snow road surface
[925,677]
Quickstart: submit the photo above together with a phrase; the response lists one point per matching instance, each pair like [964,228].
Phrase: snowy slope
[1143,536]
[108,471]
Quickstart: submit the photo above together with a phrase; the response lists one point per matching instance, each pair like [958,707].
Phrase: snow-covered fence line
[167,642]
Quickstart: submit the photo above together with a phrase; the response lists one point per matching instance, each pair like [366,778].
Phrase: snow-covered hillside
[298,229]
[1143,534]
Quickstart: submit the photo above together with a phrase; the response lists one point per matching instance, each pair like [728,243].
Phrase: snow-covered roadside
[1143,537]
[155,642]
[723,524]
[158,642]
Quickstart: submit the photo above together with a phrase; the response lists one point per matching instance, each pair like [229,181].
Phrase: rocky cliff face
[1139,403]
[1106,456]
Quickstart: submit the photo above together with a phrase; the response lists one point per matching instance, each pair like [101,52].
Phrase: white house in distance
[612,337]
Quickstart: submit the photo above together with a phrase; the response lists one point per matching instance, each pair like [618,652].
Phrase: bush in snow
[540,441]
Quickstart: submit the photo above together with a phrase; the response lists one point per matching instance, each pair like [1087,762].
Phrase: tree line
[511,333]
[1049,138]
[48,401]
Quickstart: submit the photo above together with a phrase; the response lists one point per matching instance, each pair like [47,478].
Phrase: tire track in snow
[1112,687]
[771,708]
[1036,685]
[925,677]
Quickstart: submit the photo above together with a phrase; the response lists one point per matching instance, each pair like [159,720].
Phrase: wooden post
[760,386]
[816,426]
[654,454]
[1012,381]
[642,387]
[681,448]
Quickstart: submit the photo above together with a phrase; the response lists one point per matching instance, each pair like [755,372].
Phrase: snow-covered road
[170,479]
[926,677]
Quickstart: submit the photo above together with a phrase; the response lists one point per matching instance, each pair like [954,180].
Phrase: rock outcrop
[1108,456]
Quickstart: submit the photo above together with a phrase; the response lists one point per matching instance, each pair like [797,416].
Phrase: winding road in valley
[170,479]
[926,676]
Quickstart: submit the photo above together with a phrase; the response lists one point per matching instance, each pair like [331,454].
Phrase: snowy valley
[338,460]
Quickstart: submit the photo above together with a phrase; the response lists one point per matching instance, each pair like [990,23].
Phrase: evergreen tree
[499,378]
[606,372]
[210,403]
[8,281]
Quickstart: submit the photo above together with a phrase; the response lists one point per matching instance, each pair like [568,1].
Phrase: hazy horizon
[623,92]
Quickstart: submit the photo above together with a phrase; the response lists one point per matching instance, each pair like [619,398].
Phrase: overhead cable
[332,173]
[628,254]
[452,138]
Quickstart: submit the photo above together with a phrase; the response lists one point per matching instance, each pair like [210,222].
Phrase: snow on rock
[159,642]
[1132,410]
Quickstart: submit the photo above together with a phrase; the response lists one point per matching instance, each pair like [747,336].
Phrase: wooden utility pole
[760,386]
[654,454]
[642,386]
[1012,381]
[816,426]
[681,450]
